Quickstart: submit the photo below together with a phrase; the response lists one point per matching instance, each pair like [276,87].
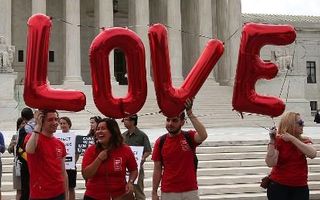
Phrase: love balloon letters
[39,94]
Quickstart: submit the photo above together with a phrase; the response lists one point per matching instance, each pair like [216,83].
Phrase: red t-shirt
[178,161]
[109,180]
[47,178]
[292,167]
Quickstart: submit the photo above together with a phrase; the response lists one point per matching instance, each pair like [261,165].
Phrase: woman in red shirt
[287,152]
[104,165]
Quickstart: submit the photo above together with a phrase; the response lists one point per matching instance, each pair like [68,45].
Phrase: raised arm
[272,153]
[201,134]
[33,140]
[306,149]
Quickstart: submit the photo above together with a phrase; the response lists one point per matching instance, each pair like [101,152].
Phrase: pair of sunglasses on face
[300,123]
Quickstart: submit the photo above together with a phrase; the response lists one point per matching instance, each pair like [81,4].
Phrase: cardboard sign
[69,140]
[83,142]
[137,152]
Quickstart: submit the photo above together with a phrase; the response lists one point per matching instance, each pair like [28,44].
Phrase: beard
[173,131]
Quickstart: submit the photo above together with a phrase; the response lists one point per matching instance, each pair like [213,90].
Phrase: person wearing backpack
[174,158]
[27,116]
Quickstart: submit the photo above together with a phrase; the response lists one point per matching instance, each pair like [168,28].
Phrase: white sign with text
[137,152]
[69,140]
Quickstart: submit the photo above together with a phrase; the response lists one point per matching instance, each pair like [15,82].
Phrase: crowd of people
[45,165]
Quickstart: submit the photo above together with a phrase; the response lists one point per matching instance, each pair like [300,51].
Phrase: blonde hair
[288,124]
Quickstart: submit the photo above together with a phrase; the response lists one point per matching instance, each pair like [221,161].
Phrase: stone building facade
[69,43]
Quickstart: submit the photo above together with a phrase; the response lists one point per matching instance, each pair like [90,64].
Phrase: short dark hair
[19,122]
[96,118]
[27,113]
[67,119]
[134,118]
[182,115]
[46,111]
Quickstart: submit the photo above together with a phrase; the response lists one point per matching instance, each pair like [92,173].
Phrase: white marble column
[139,19]
[205,29]
[39,6]
[105,19]
[214,74]
[5,20]
[73,55]
[235,28]
[175,40]
[224,69]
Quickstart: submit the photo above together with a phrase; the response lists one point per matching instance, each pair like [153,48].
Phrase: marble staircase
[213,106]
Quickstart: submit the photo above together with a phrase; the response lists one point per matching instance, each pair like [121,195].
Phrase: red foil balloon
[251,68]
[37,92]
[171,100]
[132,46]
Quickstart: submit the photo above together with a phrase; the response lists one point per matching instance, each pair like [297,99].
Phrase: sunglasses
[300,123]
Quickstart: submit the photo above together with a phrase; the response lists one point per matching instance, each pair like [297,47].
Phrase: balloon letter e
[251,68]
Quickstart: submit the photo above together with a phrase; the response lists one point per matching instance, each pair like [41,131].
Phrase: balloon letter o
[130,43]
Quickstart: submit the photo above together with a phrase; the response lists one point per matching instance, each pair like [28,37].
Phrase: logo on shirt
[59,152]
[117,164]
[184,145]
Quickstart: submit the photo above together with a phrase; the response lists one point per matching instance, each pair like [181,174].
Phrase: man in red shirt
[46,155]
[178,176]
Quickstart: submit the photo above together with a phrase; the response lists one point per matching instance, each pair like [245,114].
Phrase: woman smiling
[104,164]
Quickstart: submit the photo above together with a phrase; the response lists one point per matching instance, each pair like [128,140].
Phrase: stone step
[205,161]
[202,180]
[235,189]
[233,163]
[205,153]
[314,195]
[235,170]
[245,148]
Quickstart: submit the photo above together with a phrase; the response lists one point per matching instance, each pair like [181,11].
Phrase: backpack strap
[189,140]
[191,145]
[161,143]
